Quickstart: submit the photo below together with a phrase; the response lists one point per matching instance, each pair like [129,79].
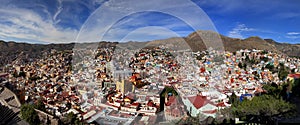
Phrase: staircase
[9,108]
[8,116]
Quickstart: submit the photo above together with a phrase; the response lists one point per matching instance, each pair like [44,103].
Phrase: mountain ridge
[10,51]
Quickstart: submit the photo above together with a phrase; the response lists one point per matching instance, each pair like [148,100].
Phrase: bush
[270,67]
[40,105]
[29,114]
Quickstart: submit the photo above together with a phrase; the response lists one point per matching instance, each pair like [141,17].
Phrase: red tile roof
[221,104]
[135,104]
[171,100]
[65,94]
[297,75]
[210,111]
[4,74]
[202,69]
[198,101]
[151,104]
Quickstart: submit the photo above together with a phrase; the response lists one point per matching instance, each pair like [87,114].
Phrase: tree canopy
[283,71]
[29,114]
[263,109]
[40,105]
[72,119]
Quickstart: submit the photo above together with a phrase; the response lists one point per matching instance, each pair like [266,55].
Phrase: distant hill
[195,42]
[24,52]
[289,49]
[11,51]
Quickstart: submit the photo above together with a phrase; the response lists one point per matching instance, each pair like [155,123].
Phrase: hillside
[24,52]
[12,51]
[196,43]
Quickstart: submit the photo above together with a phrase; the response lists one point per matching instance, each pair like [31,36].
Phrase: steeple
[119,79]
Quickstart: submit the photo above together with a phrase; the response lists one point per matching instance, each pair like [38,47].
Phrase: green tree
[40,105]
[233,99]
[240,65]
[168,90]
[264,108]
[245,66]
[265,59]
[29,114]
[247,58]
[264,52]
[72,119]
[273,89]
[22,74]
[283,71]
[270,67]
[296,87]
[234,53]
[282,74]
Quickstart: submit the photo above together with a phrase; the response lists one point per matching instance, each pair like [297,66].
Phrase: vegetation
[234,101]
[40,105]
[22,74]
[34,78]
[71,119]
[265,59]
[242,65]
[270,67]
[264,52]
[251,61]
[29,114]
[168,90]
[263,109]
[296,87]
[274,90]
[199,120]
[283,71]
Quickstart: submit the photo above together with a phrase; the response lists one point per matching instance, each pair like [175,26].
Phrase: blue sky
[60,21]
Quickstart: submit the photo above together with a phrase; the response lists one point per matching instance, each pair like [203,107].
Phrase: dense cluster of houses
[198,86]
[47,80]
[145,86]
[242,73]
[134,89]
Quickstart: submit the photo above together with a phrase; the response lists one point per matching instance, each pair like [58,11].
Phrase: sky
[65,21]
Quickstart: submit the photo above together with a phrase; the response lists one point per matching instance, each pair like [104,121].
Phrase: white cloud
[293,33]
[61,22]
[292,37]
[97,2]
[237,31]
[28,25]
[58,21]
[112,11]
[59,9]
[141,34]
[235,34]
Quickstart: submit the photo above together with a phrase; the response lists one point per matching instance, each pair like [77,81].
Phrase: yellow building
[124,86]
